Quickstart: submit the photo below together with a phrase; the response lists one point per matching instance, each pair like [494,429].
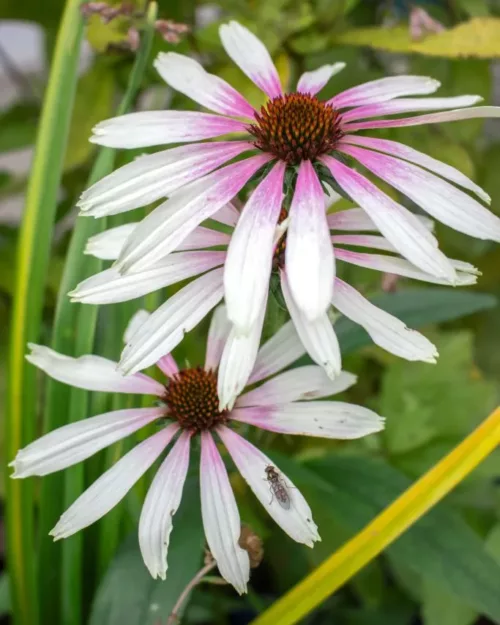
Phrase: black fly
[278,487]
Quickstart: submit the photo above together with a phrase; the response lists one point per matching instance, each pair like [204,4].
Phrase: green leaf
[416,307]
[32,262]
[5,606]
[441,547]
[18,126]
[477,38]
[423,403]
[129,595]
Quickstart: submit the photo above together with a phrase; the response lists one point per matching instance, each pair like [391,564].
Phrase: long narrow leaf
[386,527]
[32,262]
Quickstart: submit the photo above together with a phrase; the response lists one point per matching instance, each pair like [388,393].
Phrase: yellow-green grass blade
[386,527]
[31,269]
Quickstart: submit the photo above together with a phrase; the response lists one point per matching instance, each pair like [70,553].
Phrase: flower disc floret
[296,127]
[192,400]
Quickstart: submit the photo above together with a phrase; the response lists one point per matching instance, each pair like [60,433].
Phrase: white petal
[357,219]
[384,89]
[148,128]
[309,382]
[438,197]
[154,176]
[237,361]
[475,112]
[113,485]
[386,330]
[309,259]
[161,503]
[402,267]
[408,105]
[136,321]
[220,327]
[92,373]
[77,441]
[278,352]
[318,336]
[250,253]
[188,77]
[107,245]
[296,520]
[227,215]
[110,286]
[171,222]
[251,56]
[326,419]
[419,158]
[396,223]
[166,327]
[364,240]
[221,518]
[313,82]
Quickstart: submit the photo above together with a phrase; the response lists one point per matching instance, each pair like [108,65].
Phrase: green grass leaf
[416,307]
[129,595]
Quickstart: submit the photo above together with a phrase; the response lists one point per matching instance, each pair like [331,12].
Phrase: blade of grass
[72,566]
[32,263]
[386,527]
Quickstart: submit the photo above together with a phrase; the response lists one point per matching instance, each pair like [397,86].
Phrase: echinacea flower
[164,329]
[188,407]
[295,143]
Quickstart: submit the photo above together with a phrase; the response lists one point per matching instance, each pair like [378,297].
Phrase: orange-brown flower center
[192,400]
[296,127]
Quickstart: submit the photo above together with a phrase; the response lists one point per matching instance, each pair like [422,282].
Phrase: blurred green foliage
[446,570]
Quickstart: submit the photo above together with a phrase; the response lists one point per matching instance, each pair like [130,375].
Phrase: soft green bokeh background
[446,570]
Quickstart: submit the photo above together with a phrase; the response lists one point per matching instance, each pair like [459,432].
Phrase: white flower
[190,407]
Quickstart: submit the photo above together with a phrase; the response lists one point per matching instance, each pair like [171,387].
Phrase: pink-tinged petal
[250,253]
[313,82]
[227,215]
[325,419]
[364,240]
[170,223]
[309,259]
[220,327]
[166,327]
[466,274]
[238,360]
[148,128]
[136,321]
[436,196]
[107,491]
[419,158]
[110,286]
[408,105]
[280,351]
[475,112]
[161,503]
[77,441]
[107,245]
[188,77]
[386,330]
[92,373]
[308,382]
[154,176]
[168,366]
[318,336]
[395,222]
[221,518]
[384,89]
[357,219]
[251,56]
[202,237]
[296,518]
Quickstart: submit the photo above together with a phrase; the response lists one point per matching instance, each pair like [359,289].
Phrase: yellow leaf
[478,38]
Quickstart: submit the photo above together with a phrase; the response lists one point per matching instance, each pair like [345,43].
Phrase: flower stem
[174,615]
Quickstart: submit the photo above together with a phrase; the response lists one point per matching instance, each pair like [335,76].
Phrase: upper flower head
[189,406]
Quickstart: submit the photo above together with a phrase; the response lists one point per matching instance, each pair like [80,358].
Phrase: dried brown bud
[421,24]
[171,31]
[133,38]
[89,8]
[252,544]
